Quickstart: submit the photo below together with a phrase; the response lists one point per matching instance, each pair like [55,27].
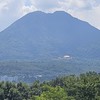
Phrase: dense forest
[83,87]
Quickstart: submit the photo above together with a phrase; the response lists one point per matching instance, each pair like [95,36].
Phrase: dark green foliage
[83,87]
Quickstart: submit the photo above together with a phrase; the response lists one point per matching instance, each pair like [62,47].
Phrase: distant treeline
[83,87]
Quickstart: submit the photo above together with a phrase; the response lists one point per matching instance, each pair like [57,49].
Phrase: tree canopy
[83,87]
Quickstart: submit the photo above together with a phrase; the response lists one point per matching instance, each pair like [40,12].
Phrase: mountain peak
[48,35]
[54,13]
[61,12]
[37,12]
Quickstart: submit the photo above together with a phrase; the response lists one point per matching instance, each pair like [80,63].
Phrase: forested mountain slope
[40,35]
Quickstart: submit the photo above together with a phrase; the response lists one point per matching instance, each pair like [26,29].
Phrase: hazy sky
[11,10]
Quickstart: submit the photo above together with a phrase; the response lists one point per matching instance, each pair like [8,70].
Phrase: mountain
[40,35]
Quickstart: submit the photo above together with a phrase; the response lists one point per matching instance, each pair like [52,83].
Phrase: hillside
[40,35]
[46,45]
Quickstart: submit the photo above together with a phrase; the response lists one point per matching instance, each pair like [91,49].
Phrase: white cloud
[45,4]
[86,10]
[3,6]
[11,10]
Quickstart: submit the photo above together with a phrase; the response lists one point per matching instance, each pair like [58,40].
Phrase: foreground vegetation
[83,87]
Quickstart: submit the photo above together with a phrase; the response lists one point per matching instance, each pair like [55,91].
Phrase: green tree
[2,94]
[52,93]
[14,94]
